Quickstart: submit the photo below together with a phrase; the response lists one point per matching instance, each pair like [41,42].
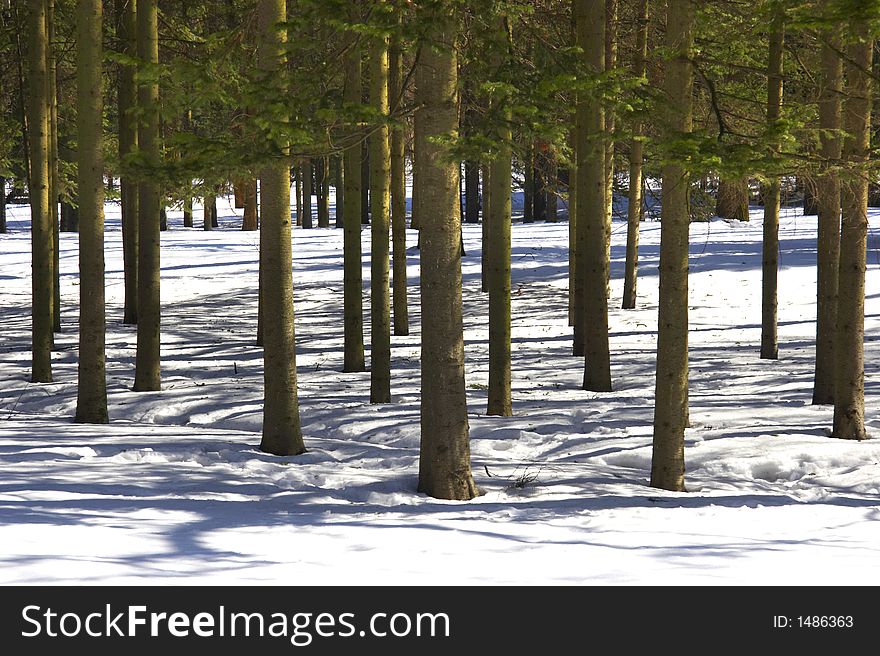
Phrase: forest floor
[175,491]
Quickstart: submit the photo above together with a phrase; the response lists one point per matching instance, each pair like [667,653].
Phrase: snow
[175,490]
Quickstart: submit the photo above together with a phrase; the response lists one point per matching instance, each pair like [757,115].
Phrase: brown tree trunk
[126,15]
[732,202]
[849,392]
[444,454]
[671,383]
[828,239]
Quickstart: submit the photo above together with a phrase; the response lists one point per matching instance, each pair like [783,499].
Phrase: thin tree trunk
[380,219]
[471,192]
[770,259]
[353,310]
[365,183]
[610,63]
[486,172]
[499,262]
[529,185]
[444,454]
[636,161]
[126,30]
[298,192]
[671,383]
[147,360]
[307,193]
[91,399]
[249,200]
[398,196]
[575,297]
[41,227]
[54,182]
[339,210]
[322,187]
[828,240]
[591,204]
[552,178]
[282,433]
[849,392]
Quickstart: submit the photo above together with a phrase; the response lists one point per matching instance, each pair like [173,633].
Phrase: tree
[41,228]
[398,192]
[353,320]
[733,199]
[770,260]
[671,391]
[828,200]
[849,391]
[147,360]
[591,220]
[380,219]
[307,193]
[282,433]
[444,454]
[91,400]
[498,261]
[636,161]
[126,30]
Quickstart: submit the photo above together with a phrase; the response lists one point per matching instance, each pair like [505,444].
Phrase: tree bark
[398,195]
[147,360]
[671,390]
[486,172]
[529,185]
[380,220]
[307,193]
[610,63]
[41,226]
[471,192]
[849,392]
[770,259]
[828,239]
[91,399]
[322,186]
[499,257]
[126,30]
[353,310]
[249,200]
[732,202]
[636,162]
[444,454]
[282,433]
[54,181]
[591,203]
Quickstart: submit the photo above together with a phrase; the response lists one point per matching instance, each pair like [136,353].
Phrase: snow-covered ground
[175,490]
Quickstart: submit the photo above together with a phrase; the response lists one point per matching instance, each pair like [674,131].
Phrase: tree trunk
[811,199]
[307,193]
[365,183]
[282,434]
[163,218]
[380,219]
[2,205]
[499,260]
[398,196]
[147,374]
[444,454]
[91,399]
[353,310]
[828,239]
[126,31]
[471,192]
[610,63]
[188,211]
[208,212]
[574,298]
[298,192]
[487,220]
[552,178]
[339,210]
[671,383]
[322,187]
[636,161]
[849,393]
[732,202]
[41,226]
[54,182]
[770,260]
[249,199]
[529,185]
[591,204]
